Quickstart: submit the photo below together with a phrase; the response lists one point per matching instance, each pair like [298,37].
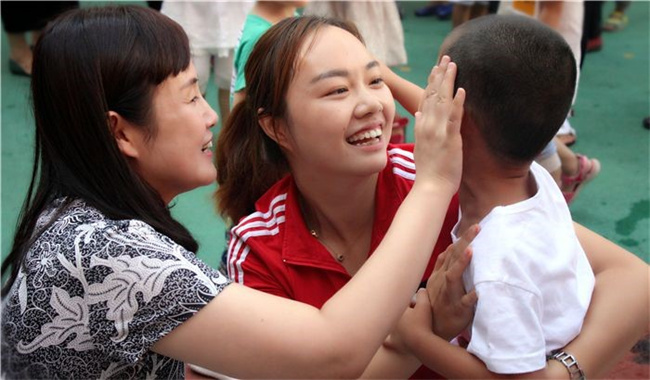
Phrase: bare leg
[567,157]
[478,10]
[551,162]
[557,176]
[460,13]
[19,51]
[224,104]
[36,34]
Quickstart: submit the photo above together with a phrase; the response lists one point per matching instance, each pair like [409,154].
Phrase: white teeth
[365,135]
[207,146]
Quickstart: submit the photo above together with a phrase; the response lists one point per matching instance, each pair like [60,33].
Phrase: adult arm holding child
[619,301]
[609,263]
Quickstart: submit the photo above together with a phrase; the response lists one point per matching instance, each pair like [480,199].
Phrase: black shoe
[444,11]
[15,69]
[426,11]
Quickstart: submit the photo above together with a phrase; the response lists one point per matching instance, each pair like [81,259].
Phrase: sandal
[616,21]
[588,169]
[444,11]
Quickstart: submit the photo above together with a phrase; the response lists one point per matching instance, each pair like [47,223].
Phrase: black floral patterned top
[95,294]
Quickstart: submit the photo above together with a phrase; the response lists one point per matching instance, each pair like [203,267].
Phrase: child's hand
[438,146]
[416,320]
[452,308]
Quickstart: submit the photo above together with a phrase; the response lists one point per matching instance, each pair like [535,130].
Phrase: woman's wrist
[438,188]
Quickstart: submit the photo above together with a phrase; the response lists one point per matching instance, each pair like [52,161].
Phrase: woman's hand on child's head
[453,309]
[438,146]
[415,321]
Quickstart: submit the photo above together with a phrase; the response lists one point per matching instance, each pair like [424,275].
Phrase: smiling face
[179,156]
[340,112]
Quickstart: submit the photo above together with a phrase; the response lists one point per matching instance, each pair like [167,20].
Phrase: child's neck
[486,185]
[273,11]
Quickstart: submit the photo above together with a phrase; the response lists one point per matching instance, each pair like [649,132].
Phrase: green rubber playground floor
[613,99]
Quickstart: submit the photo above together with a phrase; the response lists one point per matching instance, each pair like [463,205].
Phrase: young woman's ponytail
[248,163]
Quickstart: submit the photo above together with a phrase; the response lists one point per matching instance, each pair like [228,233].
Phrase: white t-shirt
[533,281]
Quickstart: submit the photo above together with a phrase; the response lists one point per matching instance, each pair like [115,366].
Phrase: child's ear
[275,132]
[127,136]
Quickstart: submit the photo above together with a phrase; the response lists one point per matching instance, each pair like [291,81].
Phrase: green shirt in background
[254,27]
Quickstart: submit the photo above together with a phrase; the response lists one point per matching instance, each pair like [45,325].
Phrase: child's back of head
[520,78]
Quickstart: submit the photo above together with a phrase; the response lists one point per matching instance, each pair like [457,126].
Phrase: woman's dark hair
[248,161]
[88,62]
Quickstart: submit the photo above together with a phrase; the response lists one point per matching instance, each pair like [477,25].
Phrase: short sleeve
[507,333]
[94,294]
[240,64]
[246,266]
[143,287]
[254,28]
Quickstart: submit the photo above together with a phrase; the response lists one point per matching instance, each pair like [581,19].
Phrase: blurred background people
[23,22]
[213,28]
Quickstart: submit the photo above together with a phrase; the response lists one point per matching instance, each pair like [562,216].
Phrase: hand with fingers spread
[443,306]
[438,147]
[453,309]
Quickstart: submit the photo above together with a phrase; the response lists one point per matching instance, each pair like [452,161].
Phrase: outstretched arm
[621,301]
[394,360]
[390,363]
[408,94]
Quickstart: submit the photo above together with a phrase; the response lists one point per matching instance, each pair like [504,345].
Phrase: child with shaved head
[531,275]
